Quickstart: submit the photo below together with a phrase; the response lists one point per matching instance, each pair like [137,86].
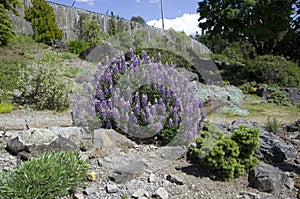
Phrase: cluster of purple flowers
[141,98]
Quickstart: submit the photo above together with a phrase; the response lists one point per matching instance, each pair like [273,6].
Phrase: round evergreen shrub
[76,46]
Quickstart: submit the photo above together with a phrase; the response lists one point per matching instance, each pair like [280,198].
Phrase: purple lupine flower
[153,110]
[109,104]
[115,99]
[144,100]
[147,112]
[116,70]
[123,59]
[136,98]
[131,54]
[109,124]
[133,118]
[116,114]
[168,93]
[137,109]
[143,117]
[170,122]
[144,55]
[159,57]
[103,114]
[103,104]
[160,102]
[128,92]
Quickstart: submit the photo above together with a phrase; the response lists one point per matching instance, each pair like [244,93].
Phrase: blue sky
[179,14]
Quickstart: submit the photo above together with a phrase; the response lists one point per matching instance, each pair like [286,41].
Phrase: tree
[42,19]
[92,33]
[113,30]
[138,19]
[6,25]
[267,24]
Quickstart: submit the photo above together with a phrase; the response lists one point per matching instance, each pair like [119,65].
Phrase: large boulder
[188,75]
[267,178]
[98,53]
[32,142]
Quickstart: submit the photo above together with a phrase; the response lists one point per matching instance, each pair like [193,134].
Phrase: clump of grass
[48,176]
[273,124]
[6,107]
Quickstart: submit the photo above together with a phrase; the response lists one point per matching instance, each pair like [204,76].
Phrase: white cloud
[138,1]
[153,1]
[187,23]
[89,2]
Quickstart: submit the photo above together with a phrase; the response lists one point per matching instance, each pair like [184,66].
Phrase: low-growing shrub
[48,176]
[278,97]
[76,46]
[229,155]
[273,125]
[43,86]
[6,107]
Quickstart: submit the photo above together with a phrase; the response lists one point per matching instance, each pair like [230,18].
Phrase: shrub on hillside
[6,26]
[48,176]
[91,32]
[76,46]
[43,86]
[229,155]
[278,97]
[6,107]
[42,19]
[271,69]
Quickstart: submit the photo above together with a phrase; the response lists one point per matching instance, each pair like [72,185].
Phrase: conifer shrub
[51,175]
[6,26]
[230,155]
[91,32]
[42,19]
[76,46]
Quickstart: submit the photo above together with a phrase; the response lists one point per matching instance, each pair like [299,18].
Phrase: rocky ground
[124,168]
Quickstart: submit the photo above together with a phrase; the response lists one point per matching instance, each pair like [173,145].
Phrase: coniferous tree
[42,19]
[6,25]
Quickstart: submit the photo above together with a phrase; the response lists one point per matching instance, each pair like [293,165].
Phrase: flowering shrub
[143,99]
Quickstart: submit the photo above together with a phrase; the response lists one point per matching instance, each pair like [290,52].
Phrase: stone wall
[68,17]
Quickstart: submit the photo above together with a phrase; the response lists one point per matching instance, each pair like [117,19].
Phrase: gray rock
[78,196]
[267,178]
[140,193]
[175,179]
[248,195]
[89,190]
[153,178]
[33,142]
[235,124]
[128,172]
[272,148]
[12,134]
[161,193]
[98,53]
[188,74]
[112,188]
[289,183]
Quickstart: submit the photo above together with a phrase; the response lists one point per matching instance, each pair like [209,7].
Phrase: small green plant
[273,125]
[48,176]
[6,107]
[228,155]
[76,46]
[278,97]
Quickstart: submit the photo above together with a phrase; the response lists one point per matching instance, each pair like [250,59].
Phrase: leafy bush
[248,88]
[271,69]
[76,46]
[6,107]
[48,176]
[6,26]
[278,97]
[91,32]
[230,155]
[43,86]
[273,125]
[42,19]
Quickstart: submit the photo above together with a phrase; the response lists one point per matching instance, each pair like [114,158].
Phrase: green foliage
[273,124]
[76,46]
[6,107]
[11,5]
[248,88]
[42,19]
[6,26]
[265,24]
[270,69]
[48,176]
[229,155]
[278,97]
[43,86]
[138,19]
[112,28]
[139,38]
[92,33]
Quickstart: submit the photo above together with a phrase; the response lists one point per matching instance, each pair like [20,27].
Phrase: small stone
[99,162]
[175,179]
[78,196]
[153,178]
[166,183]
[107,159]
[289,183]
[90,190]
[161,193]
[112,188]
[152,155]
[140,193]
